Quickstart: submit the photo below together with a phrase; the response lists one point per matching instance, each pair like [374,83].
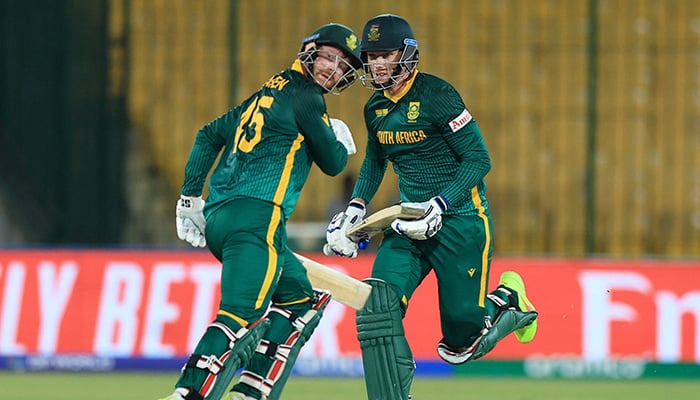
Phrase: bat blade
[343,288]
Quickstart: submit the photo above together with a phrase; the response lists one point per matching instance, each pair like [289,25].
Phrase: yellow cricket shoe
[512,280]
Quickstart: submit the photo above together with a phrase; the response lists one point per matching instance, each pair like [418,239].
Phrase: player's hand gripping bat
[377,222]
[346,289]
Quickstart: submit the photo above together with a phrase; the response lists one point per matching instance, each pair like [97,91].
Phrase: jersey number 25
[251,117]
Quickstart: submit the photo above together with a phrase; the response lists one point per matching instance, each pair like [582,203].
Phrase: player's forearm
[330,155]
[469,174]
[369,180]
[200,161]
[474,164]
[327,152]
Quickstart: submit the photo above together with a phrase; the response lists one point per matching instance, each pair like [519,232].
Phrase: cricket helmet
[386,33]
[340,37]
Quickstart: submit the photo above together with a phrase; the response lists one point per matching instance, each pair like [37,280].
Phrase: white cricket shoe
[178,394]
[238,396]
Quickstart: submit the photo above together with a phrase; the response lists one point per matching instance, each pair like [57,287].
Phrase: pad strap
[232,337]
[280,354]
[210,363]
[283,355]
[221,369]
[507,301]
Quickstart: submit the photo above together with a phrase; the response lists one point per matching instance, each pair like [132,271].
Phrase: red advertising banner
[157,304]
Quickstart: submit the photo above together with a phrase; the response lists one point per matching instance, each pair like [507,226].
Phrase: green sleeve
[468,145]
[474,165]
[329,154]
[207,144]
[373,168]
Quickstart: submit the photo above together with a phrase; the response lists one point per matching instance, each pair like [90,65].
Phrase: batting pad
[242,346]
[386,356]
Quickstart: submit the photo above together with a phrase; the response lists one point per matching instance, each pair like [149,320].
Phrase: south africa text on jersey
[400,137]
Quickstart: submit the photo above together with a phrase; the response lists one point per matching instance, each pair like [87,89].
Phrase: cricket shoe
[512,280]
[238,396]
[178,394]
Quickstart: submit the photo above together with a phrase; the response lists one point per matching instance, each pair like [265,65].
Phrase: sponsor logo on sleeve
[461,120]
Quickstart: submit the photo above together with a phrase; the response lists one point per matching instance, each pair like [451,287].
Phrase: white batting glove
[426,226]
[189,220]
[343,135]
[336,237]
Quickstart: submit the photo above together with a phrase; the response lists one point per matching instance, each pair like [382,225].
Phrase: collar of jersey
[403,91]
[296,66]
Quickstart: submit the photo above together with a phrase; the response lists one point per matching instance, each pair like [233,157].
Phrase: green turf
[122,386]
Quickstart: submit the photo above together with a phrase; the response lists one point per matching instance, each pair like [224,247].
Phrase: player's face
[330,66]
[383,66]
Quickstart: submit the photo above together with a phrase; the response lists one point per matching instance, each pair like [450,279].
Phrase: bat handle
[362,244]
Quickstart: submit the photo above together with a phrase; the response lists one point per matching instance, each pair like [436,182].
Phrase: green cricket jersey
[270,142]
[433,142]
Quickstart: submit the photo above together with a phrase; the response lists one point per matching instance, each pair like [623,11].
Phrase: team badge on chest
[413,111]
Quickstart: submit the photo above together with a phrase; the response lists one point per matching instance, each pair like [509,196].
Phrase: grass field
[133,386]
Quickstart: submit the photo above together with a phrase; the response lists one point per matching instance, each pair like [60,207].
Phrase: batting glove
[343,135]
[189,220]
[426,226]
[336,234]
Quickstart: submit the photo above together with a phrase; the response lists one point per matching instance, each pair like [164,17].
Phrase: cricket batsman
[420,123]
[267,146]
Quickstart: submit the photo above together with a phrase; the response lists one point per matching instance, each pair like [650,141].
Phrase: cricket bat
[343,288]
[380,220]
